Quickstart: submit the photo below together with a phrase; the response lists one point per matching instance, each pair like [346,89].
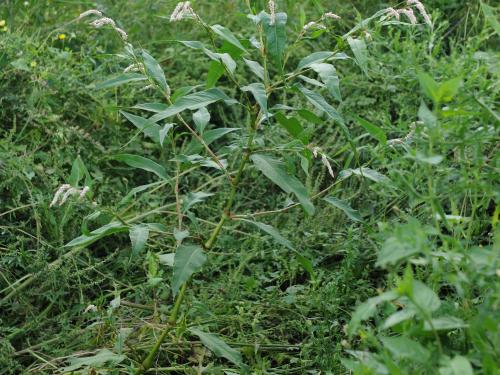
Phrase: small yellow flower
[5,29]
[62,36]
[33,64]
[2,23]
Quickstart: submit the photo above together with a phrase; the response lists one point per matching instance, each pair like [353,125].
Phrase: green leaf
[273,232]
[328,75]
[101,358]
[139,235]
[320,103]
[428,159]
[167,259]
[447,90]
[223,58]
[310,116]
[358,47]
[424,297]
[201,119]
[426,116]
[215,72]
[188,260]
[293,127]
[192,102]
[275,37]
[259,93]
[120,80]
[228,36]
[372,175]
[372,129]
[429,87]
[315,57]
[154,70]
[193,198]
[398,317]
[21,64]
[140,162]
[393,250]
[405,348]
[351,213]
[209,136]
[459,365]
[104,231]
[164,131]
[368,308]
[489,14]
[78,171]
[275,171]
[148,127]
[256,68]
[218,347]
[444,323]
[151,107]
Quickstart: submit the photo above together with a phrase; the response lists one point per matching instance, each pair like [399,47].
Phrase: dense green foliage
[256,197]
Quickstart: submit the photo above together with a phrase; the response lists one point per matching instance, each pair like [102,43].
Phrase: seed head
[182,10]
[331,15]
[133,68]
[272,12]
[408,12]
[84,191]
[315,25]
[58,193]
[326,163]
[103,21]
[393,12]
[65,191]
[122,33]
[422,11]
[90,12]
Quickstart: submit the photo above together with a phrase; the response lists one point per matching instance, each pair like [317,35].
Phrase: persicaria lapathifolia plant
[262,85]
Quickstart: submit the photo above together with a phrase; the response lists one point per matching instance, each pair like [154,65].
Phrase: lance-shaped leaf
[192,102]
[273,232]
[140,162]
[276,172]
[218,347]
[148,127]
[79,171]
[358,47]
[293,127]
[188,260]
[329,76]
[106,230]
[259,93]
[154,69]
[275,37]
[121,79]
[315,57]
[223,58]
[372,129]
[256,68]
[228,36]
[139,235]
[319,102]
[348,210]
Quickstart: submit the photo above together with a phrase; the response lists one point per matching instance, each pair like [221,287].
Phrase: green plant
[418,222]
[261,105]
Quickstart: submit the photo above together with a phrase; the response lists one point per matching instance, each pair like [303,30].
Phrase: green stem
[234,188]
[148,361]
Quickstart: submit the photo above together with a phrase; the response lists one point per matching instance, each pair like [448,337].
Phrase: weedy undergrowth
[213,151]
[180,126]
